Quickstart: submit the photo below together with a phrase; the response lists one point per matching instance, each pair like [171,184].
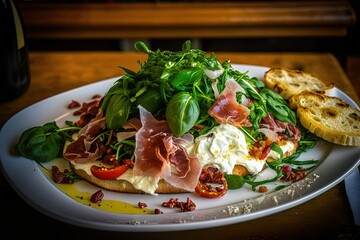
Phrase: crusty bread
[126,187]
[163,187]
[330,118]
[288,82]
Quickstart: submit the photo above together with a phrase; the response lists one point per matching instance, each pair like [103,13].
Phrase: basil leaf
[182,112]
[40,143]
[115,89]
[117,111]
[187,76]
[151,100]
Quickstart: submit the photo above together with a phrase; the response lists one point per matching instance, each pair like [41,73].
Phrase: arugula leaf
[278,106]
[141,47]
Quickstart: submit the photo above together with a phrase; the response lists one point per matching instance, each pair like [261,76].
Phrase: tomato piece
[211,175]
[208,191]
[265,152]
[108,173]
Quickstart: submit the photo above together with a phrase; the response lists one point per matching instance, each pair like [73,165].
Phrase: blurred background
[240,26]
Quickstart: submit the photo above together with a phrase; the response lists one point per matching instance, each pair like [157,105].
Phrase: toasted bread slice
[330,118]
[287,82]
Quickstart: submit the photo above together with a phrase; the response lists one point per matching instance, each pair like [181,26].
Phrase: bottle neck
[18,26]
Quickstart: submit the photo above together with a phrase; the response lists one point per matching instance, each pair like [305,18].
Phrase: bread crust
[330,118]
[124,186]
[289,82]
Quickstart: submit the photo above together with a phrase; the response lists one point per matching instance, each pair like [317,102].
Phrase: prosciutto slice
[131,126]
[226,109]
[85,148]
[282,130]
[159,154]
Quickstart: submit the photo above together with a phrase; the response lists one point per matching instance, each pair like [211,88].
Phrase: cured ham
[226,109]
[132,123]
[131,126]
[88,111]
[281,130]
[86,148]
[159,154]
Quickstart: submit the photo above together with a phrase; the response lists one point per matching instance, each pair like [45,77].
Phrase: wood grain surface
[189,19]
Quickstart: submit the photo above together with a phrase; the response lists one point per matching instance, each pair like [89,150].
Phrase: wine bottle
[14,60]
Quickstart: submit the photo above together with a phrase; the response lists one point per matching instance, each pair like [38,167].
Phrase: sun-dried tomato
[211,175]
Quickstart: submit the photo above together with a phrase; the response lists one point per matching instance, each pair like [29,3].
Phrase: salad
[204,105]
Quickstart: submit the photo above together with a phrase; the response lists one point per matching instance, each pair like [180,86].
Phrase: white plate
[29,181]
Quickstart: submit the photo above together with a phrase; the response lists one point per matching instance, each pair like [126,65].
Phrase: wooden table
[327,216]
[205,19]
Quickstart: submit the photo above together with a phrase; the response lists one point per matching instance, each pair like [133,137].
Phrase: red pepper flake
[74,104]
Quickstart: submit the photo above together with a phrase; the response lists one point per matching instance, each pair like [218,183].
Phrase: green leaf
[277,106]
[234,181]
[40,143]
[182,112]
[186,45]
[128,71]
[117,88]
[168,73]
[141,47]
[151,100]
[138,93]
[275,147]
[186,77]
[117,112]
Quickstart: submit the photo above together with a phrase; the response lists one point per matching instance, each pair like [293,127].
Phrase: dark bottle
[14,62]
